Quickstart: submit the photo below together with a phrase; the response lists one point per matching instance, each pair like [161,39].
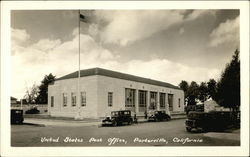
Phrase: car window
[114,113]
[126,113]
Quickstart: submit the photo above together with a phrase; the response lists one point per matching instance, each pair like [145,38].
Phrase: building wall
[97,88]
[178,94]
[117,86]
[87,84]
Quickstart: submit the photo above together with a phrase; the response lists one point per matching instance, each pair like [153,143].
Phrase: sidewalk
[69,123]
[46,120]
[234,135]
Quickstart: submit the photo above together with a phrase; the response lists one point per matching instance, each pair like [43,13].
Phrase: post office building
[98,91]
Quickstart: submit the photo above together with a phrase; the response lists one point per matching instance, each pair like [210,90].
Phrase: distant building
[103,91]
[211,105]
[13,101]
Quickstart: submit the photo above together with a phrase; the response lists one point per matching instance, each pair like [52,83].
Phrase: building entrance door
[170,101]
[142,96]
[130,99]
[153,100]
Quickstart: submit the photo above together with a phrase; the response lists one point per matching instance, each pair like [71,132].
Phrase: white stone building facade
[102,91]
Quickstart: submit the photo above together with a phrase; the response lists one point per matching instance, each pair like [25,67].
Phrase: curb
[33,124]
[60,120]
[40,123]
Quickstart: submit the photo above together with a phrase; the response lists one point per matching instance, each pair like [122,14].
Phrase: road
[171,133]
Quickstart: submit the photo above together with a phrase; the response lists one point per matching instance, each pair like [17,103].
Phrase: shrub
[32,111]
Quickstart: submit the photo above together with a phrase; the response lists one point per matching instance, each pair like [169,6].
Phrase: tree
[43,88]
[31,94]
[184,86]
[192,93]
[203,92]
[228,89]
[212,89]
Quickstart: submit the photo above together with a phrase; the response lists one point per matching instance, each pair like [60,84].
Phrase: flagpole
[79,63]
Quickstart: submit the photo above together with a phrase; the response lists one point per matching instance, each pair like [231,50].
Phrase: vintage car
[16,116]
[197,108]
[118,118]
[32,110]
[211,121]
[159,116]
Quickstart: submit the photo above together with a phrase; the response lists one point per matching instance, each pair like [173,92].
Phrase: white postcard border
[6,150]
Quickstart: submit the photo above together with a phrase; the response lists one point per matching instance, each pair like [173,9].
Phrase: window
[179,102]
[170,101]
[64,99]
[52,101]
[110,98]
[83,98]
[129,97]
[162,100]
[73,99]
[153,100]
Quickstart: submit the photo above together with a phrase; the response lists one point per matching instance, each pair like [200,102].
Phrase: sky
[165,45]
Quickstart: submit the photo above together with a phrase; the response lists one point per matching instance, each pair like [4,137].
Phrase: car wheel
[129,122]
[200,129]
[188,129]
[114,123]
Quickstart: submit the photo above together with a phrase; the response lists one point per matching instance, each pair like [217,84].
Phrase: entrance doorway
[170,101]
[142,96]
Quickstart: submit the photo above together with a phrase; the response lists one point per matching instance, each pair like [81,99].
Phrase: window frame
[179,102]
[65,97]
[110,99]
[83,98]
[73,99]
[52,101]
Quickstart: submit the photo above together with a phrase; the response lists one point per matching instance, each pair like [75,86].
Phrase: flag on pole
[83,18]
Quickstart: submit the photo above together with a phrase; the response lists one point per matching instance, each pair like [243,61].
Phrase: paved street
[171,133]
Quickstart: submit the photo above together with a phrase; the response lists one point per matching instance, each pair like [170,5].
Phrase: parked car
[211,121]
[32,110]
[118,118]
[159,116]
[197,108]
[16,116]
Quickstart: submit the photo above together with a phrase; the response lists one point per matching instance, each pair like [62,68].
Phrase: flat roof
[114,74]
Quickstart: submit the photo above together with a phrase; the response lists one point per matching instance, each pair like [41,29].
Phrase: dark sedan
[118,118]
[159,116]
